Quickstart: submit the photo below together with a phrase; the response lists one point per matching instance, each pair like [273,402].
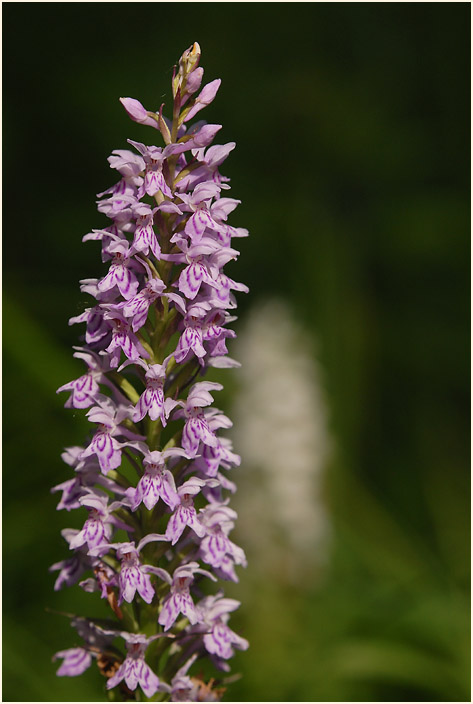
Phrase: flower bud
[194,81]
[189,60]
[187,64]
[137,112]
[205,97]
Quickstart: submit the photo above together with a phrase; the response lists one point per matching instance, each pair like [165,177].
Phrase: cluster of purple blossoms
[152,475]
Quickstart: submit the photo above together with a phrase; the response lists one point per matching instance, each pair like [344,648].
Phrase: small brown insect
[107,664]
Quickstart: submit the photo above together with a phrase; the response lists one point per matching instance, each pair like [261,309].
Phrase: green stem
[127,388]
[154,432]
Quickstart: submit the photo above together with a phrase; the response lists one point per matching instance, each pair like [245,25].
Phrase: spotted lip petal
[197,430]
[134,672]
[107,449]
[152,403]
[191,340]
[177,602]
[132,579]
[145,240]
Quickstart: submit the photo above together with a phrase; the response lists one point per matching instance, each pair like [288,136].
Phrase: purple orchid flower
[99,525]
[198,271]
[182,685]
[134,576]
[179,600]
[123,338]
[199,204]
[118,207]
[144,239]
[196,428]
[97,329]
[154,178]
[216,546]
[129,164]
[137,307]
[87,475]
[157,482]
[209,160]
[185,514]
[77,660]
[86,388]
[220,455]
[152,401]
[191,340]
[104,444]
[220,292]
[134,669]
[72,569]
[120,274]
[215,612]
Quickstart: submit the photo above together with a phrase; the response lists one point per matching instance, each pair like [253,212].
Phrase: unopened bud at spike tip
[188,63]
[190,59]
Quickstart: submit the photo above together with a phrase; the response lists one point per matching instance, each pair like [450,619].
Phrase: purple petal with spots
[94,533]
[154,182]
[191,279]
[197,224]
[213,548]
[138,309]
[152,403]
[118,676]
[176,525]
[176,603]
[183,516]
[169,612]
[84,391]
[72,490]
[190,340]
[135,671]
[132,579]
[196,430]
[147,680]
[138,306]
[145,240]
[107,449]
[220,640]
[124,339]
[155,486]
[70,571]
[147,492]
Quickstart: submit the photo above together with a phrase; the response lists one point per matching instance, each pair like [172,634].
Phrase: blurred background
[352,125]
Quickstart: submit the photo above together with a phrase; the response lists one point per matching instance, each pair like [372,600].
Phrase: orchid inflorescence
[152,476]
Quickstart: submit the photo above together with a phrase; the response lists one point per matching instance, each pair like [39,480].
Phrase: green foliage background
[352,130]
